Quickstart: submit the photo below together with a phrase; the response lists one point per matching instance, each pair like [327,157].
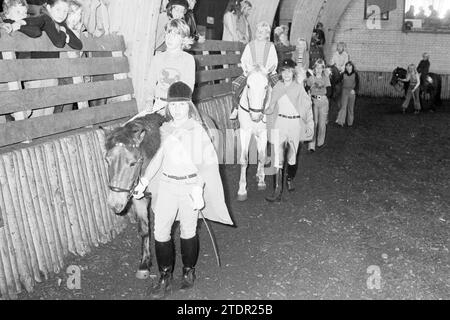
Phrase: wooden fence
[377,84]
[53,191]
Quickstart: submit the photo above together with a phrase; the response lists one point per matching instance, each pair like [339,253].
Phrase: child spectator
[53,22]
[188,181]
[243,26]
[290,121]
[258,52]
[302,50]
[170,66]
[315,51]
[320,87]
[230,18]
[190,20]
[177,9]
[320,34]
[96,17]
[282,45]
[15,19]
[350,86]
[413,77]
[340,57]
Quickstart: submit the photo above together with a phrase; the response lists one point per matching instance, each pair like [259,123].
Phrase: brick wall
[388,47]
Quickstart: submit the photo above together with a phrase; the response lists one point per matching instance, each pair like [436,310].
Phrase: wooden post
[76,80]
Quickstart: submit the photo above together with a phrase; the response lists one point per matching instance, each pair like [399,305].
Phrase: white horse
[254,100]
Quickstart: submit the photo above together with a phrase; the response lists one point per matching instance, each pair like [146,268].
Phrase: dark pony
[430,88]
[129,151]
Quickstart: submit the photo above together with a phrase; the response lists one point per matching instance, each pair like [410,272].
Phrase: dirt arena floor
[369,220]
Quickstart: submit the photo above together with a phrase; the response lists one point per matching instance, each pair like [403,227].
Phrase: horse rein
[135,181]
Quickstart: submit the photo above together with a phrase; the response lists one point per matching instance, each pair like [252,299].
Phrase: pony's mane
[126,135]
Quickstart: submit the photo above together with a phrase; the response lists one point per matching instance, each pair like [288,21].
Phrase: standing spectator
[282,45]
[320,34]
[259,52]
[316,51]
[230,32]
[190,20]
[350,86]
[243,26]
[177,9]
[413,77]
[169,66]
[319,83]
[340,57]
[302,52]
[35,7]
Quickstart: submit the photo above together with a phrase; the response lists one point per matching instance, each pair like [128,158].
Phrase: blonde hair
[263,26]
[180,27]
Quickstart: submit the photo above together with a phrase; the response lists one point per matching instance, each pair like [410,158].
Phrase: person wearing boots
[289,121]
[184,180]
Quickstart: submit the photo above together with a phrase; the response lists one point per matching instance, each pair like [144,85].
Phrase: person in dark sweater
[15,19]
[350,86]
[424,67]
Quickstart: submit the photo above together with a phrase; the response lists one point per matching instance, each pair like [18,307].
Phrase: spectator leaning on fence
[15,19]
[259,52]
[169,66]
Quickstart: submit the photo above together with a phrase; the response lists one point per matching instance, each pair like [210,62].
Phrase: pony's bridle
[249,109]
[135,180]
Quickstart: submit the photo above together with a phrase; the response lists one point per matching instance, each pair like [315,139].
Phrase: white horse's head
[257,92]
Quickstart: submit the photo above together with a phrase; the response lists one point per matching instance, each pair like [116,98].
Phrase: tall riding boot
[276,197]
[165,257]
[291,173]
[189,256]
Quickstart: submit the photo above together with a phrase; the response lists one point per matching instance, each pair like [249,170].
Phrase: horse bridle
[135,180]
[256,110]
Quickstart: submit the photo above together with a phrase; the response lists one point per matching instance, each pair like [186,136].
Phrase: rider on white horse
[290,121]
[259,52]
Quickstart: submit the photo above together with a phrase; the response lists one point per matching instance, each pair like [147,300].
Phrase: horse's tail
[437,98]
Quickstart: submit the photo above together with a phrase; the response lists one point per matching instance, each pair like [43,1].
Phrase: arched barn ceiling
[308,12]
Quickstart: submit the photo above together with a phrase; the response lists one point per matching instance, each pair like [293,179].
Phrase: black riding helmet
[287,64]
[179,91]
[171,3]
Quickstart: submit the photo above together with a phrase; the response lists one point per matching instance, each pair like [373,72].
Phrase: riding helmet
[288,64]
[182,3]
[179,91]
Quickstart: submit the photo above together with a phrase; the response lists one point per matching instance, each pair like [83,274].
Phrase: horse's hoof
[262,187]
[242,197]
[142,274]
